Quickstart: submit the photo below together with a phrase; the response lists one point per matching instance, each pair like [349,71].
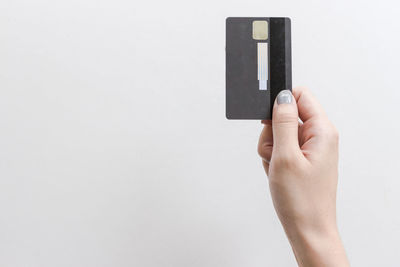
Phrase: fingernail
[284,97]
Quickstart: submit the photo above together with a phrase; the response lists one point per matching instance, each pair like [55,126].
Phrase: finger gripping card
[258,65]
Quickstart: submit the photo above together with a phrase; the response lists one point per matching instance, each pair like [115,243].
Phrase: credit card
[258,65]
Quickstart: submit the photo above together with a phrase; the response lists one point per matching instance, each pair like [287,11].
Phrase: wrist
[317,246]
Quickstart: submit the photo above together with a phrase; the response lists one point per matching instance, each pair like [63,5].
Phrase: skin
[301,161]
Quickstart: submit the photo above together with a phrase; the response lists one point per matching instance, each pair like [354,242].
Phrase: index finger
[307,104]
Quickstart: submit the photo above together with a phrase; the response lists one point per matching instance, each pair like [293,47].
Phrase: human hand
[301,161]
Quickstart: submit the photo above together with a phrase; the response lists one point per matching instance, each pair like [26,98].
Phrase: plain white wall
[115,150]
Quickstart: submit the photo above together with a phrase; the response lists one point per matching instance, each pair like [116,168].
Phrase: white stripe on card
[262,65]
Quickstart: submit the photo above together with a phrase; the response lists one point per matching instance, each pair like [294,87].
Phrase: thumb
[285,123]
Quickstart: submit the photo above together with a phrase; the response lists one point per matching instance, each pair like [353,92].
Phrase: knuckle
[332,134]
[264,151]
[286,118]
[335,134]
[328,132]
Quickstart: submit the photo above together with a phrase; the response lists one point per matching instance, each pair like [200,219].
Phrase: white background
[115,150]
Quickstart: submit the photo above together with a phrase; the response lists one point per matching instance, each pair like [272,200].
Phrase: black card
[258,65]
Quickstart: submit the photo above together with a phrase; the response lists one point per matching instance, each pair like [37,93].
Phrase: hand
[301,161]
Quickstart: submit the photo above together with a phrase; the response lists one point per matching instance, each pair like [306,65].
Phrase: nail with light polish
[284,97]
